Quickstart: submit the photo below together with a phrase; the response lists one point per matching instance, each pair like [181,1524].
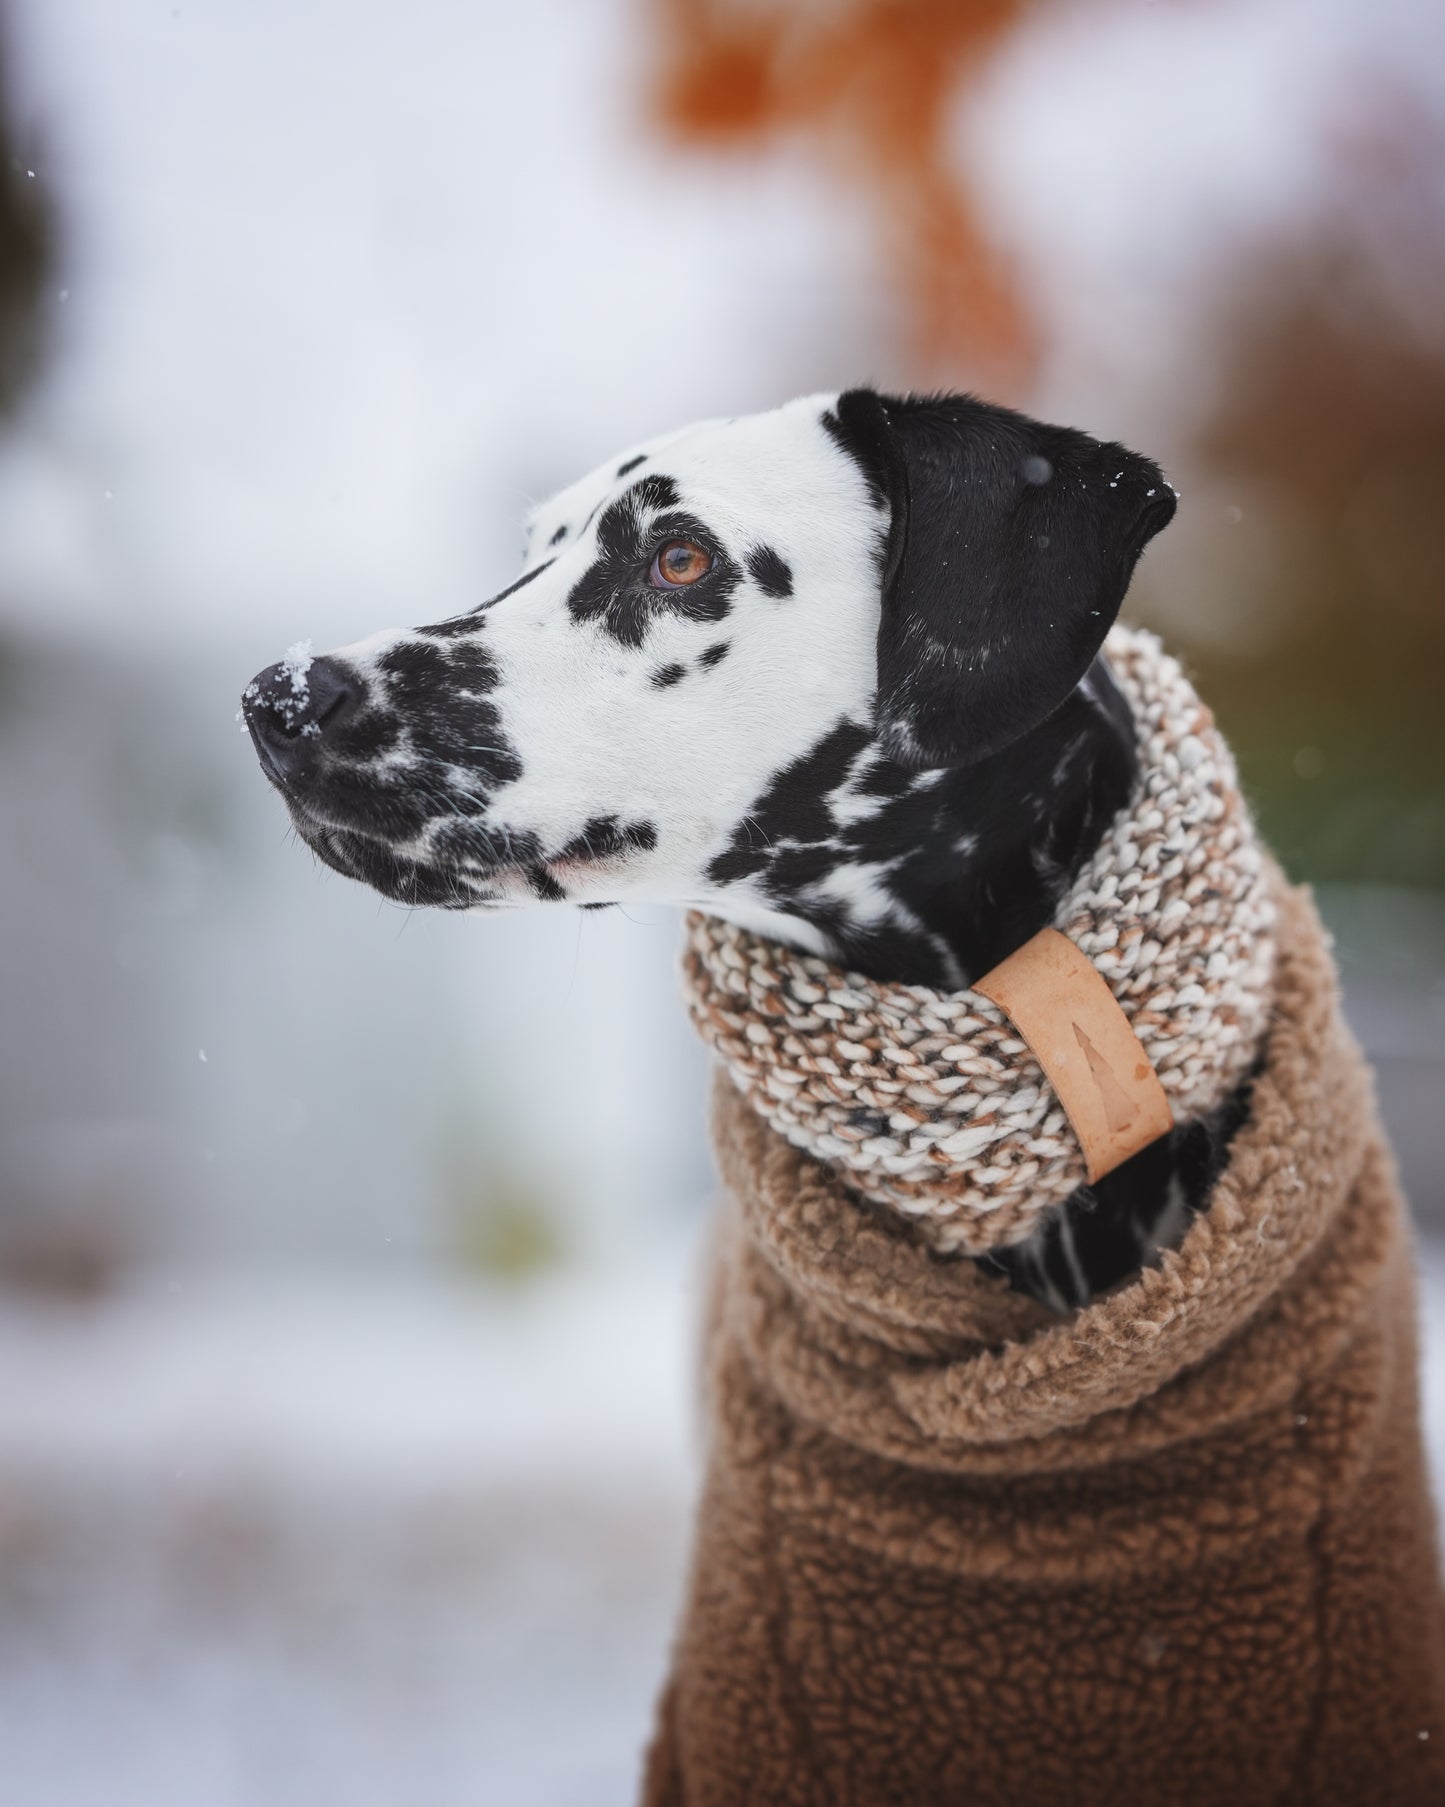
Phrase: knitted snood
[928,1102]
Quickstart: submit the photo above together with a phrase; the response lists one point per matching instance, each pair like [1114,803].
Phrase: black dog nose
[289,707]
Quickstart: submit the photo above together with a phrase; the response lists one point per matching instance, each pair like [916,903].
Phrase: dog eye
[679,563]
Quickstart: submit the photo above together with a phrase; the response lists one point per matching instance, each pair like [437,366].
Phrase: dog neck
[931,878]
[1145,855]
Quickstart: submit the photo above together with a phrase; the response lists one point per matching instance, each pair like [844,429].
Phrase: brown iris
[678,563]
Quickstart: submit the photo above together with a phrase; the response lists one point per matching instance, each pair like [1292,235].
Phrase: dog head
[733,661]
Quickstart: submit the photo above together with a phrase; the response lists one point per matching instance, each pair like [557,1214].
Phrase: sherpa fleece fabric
[1175,1550]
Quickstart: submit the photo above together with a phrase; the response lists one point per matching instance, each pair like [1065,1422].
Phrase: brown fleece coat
[1178,1549]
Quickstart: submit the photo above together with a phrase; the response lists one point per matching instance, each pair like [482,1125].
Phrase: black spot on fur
[413,666]
[467,624]
[717,651]
[472,667]
[771,572]
[793,809]
[793,804]
[615,590]
[439,694]
[604,837]
[631,464]
[745,856]
[558,537]
[544,886]
[793,869]
[655,491]
[885,779]
[860,446]
[668,675]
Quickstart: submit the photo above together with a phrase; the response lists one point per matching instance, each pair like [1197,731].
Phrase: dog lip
[336,842]
[348,844]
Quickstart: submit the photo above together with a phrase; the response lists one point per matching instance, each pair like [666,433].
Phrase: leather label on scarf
[1061,1006]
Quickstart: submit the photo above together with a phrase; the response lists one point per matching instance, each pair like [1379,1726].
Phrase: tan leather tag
[1062,1007]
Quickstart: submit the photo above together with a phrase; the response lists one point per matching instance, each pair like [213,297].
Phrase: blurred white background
[348,1255]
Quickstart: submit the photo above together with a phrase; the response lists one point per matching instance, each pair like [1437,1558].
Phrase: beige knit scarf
[928,1101]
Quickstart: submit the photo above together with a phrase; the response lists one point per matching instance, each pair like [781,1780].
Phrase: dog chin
[397,876]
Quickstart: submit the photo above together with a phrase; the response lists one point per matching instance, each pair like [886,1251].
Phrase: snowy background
[348,1257]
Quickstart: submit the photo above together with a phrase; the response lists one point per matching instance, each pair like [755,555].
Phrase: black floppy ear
[1010,546]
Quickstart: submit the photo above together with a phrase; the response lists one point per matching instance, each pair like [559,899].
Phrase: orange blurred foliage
[875,82]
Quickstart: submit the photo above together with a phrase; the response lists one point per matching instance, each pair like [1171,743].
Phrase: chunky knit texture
[928,1101]
[1174,1551]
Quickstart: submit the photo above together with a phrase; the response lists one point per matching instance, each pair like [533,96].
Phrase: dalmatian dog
[831,671]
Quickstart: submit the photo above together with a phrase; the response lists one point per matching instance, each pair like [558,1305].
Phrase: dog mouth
[456,864]
[414,841]
[403,877]
[424,871]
